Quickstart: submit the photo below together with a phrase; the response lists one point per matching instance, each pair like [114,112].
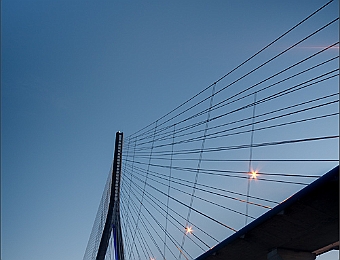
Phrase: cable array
[99,223]
[236,149]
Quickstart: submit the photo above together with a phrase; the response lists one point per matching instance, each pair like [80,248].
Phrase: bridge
[245,169]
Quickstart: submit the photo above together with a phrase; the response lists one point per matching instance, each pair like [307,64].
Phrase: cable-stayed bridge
[184,185]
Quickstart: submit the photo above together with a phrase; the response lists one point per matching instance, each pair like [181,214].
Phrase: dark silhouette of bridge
[245,169]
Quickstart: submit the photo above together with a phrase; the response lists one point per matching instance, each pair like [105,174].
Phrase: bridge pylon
[112,223]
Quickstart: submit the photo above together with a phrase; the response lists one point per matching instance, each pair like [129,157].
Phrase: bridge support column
[113,215]
[285,254]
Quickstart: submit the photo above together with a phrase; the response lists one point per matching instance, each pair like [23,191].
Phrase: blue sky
[75,72]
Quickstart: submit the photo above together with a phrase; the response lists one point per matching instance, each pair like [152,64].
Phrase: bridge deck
[306,222]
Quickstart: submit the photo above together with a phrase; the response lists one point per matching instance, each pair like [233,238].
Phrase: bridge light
[253,174]
[188,230]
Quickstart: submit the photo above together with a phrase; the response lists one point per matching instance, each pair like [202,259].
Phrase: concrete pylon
[286,254]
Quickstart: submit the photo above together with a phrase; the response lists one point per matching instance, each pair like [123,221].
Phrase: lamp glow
[188,230]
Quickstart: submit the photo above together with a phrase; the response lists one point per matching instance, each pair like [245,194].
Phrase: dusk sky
[76,72]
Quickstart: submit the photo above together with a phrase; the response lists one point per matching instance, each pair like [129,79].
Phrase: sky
[75,72]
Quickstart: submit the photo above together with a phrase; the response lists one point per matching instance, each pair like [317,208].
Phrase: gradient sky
[75,72]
